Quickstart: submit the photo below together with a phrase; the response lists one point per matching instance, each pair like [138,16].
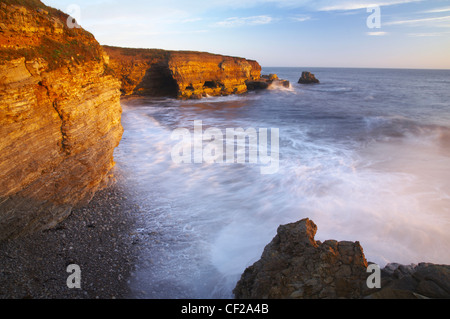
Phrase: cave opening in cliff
[158,81]
[210,84]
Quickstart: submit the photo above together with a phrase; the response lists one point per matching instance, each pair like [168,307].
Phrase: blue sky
[306,33]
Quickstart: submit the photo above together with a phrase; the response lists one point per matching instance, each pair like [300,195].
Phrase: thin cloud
[351,5]
[377,34]
[301,18]
[438,10]
[245,21]
[418,21]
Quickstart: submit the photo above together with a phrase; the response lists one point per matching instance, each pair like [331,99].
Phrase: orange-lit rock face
[202,74]
[181,74]
[59,119]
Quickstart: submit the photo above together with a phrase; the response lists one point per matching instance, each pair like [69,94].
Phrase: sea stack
[308,78]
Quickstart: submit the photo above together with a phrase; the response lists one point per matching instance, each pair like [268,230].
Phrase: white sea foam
[390,191]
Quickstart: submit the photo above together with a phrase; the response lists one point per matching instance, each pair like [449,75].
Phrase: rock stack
[308,78]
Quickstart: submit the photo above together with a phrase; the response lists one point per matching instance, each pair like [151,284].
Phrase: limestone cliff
[182,74]
[200,74]
[59,117]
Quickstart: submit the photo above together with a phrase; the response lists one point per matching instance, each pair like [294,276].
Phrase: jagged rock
[266,81]
[59,118]
[308,78]
[424,280]
[294,265]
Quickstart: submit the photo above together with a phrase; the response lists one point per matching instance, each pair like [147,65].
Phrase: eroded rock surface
[296,266]
[181,74]
[59,117]
[266,81]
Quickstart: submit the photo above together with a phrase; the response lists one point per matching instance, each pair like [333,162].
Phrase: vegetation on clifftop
[61,47]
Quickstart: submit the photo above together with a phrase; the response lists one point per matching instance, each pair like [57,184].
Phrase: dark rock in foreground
[308,78]
[424,280]
[295,266]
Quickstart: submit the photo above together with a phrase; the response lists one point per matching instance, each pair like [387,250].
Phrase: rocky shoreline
[296,266]
[101,239]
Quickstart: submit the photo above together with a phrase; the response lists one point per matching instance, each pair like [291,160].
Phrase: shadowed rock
[308,78]
[266,81]
[296,266]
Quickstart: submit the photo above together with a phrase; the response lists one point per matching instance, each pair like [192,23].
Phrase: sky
[283,33]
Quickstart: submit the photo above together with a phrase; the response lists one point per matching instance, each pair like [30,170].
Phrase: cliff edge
[59,117]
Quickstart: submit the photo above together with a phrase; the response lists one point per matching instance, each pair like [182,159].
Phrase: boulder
[266,81]
[308,78]
[296,266]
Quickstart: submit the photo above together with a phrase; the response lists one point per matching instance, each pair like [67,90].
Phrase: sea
[365,154]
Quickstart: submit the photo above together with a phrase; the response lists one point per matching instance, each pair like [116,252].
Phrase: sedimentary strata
[59,117]
[181,74]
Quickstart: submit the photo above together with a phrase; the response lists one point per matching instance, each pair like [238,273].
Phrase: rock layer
[181,74]
[296,266]
[200,74]
[142,71]
[59,117]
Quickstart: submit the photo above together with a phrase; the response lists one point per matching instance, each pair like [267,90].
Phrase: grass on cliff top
[142,54]
[150,54]
[35,4]
[57,54]
[75,46]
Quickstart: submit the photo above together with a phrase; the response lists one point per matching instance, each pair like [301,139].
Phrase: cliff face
[201,74]
[59,117]
[181,74]
[142,71]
